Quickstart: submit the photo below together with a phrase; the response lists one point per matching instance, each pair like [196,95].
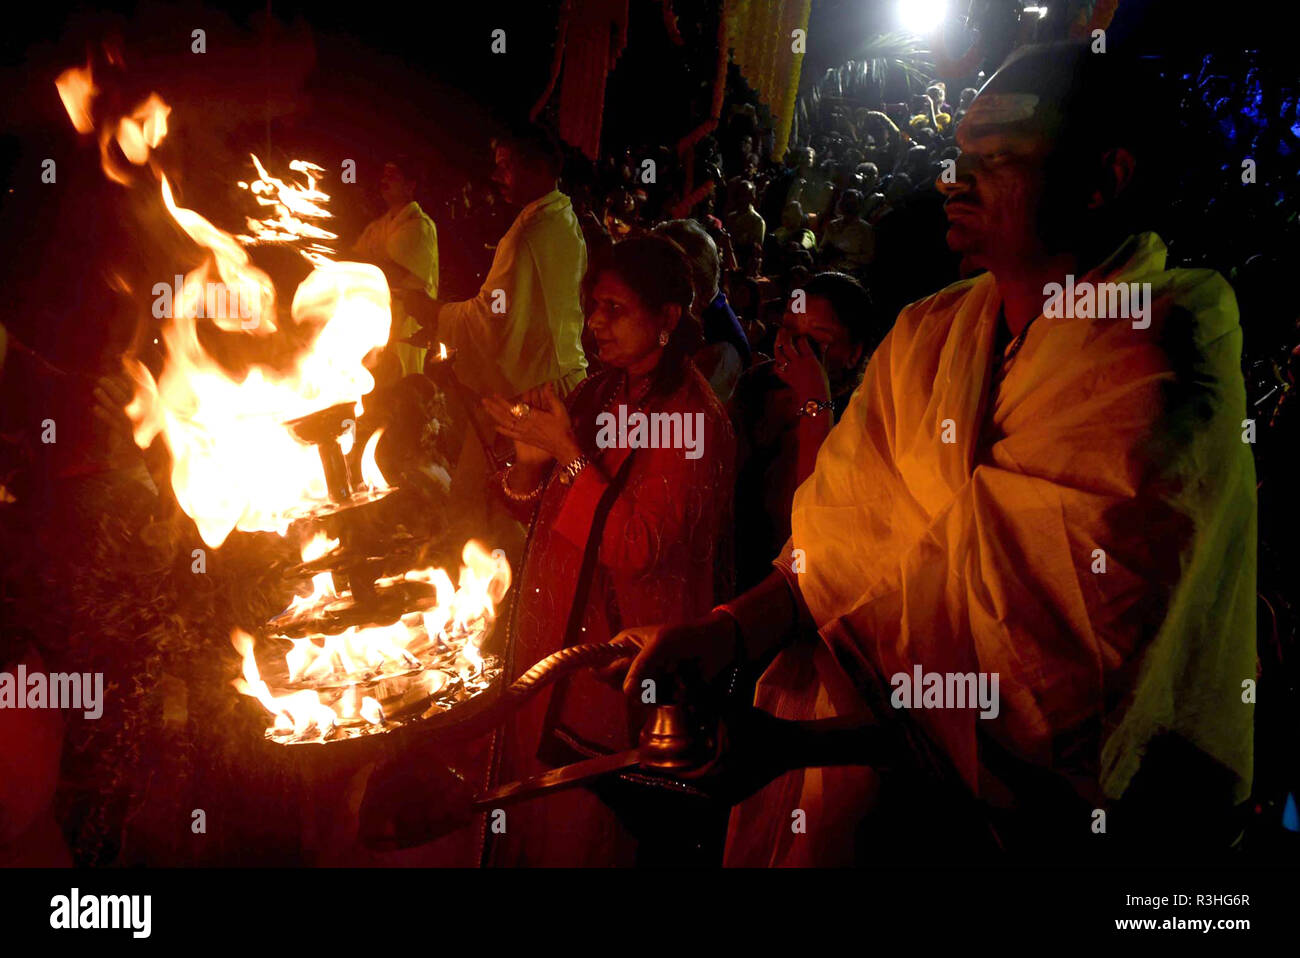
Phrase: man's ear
[1117,168]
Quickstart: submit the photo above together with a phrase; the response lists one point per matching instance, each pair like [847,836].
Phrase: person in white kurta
[523,329]
[404,243]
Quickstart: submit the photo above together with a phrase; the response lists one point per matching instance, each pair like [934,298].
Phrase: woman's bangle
[813,408]
[517,496]
[570,470]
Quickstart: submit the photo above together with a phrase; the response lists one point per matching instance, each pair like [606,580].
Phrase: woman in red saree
[619,536]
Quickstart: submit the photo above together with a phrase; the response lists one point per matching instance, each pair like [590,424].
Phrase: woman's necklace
[621,391]
[624,390]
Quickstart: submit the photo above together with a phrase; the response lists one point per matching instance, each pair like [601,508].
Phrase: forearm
[399,277]
[519,486]
[809,434]
[524,477]
[767,615]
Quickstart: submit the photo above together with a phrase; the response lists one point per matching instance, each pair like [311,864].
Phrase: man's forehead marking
[995,109]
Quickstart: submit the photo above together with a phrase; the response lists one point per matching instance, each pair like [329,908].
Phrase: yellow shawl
[1102,436]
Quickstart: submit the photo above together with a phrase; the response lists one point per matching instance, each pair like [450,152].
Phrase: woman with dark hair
[725,353]
[623,531]
[784,409]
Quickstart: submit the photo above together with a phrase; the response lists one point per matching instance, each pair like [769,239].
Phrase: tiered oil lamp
[370,651]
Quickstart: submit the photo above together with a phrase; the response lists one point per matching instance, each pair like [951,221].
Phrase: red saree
[646,537]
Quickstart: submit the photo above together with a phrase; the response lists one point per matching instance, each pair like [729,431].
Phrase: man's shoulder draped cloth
[524,327]
[1085,530]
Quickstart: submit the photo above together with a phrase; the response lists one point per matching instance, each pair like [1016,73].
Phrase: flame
[442,350]
[77,89]
[137,134]
[317,546]
[244,283]
[298,711]
[455,626]
[236,464]
[143,130]
[372,711]
[371,474]
[294,205]
[322,585]
[484,580]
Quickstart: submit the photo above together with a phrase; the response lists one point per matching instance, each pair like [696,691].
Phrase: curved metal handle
[469,721]
[562,663]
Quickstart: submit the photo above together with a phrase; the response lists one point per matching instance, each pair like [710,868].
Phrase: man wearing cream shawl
[1043,479]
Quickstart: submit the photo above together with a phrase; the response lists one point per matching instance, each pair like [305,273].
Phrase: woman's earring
[663,337]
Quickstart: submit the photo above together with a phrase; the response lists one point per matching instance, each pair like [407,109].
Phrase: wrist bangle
[570,470]
[518,496]
[814,408]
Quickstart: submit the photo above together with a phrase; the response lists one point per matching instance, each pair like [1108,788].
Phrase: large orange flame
[235,463]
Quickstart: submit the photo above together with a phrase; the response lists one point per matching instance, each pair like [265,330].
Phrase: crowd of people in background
[859,200]
[851,216]
[790,273]
[749,295]
[852,220]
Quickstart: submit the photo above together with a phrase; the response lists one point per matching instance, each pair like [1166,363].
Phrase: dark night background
[334,81]
[329,81]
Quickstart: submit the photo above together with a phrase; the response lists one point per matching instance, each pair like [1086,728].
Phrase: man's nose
[958,176]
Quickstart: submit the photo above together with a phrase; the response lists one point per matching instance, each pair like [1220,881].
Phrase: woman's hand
[543,432]
[799,368]
[525,454]
[708,644]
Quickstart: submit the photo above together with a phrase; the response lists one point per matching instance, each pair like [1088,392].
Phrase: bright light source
[921,17]
[1041,11]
